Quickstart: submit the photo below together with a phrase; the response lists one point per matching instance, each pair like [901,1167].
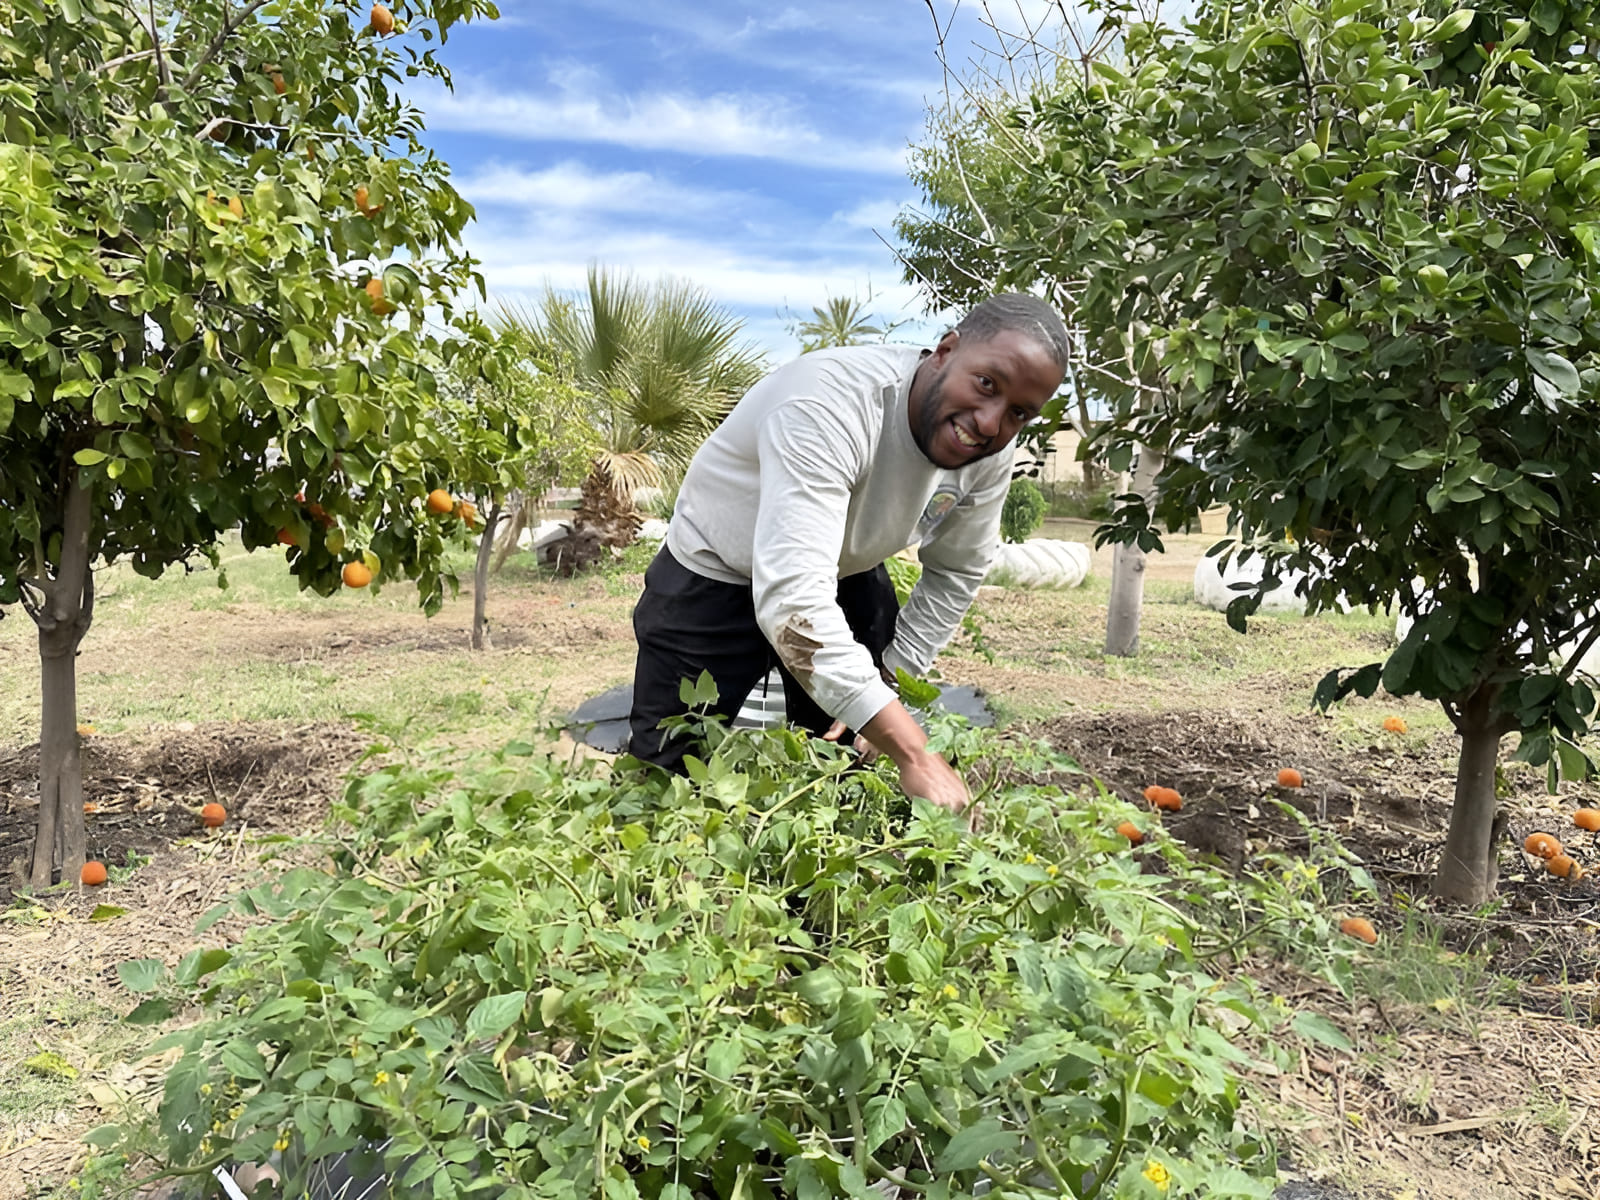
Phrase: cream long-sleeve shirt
[815,476]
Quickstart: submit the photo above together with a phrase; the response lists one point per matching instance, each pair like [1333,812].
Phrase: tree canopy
[218,237]
[1357,245]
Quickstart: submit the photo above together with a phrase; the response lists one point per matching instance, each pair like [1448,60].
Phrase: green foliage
[903,574]
[517,424]
[182,265]
[1023,511]
[1376,326]
[768,979]
[1351,253]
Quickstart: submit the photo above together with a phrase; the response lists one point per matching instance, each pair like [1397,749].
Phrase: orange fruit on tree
[441,502]
[1394,725]
[1359,927]
[1562,866]
[356,575]
[93,873]
[1290,778]
[236,207]
[212,815]
[1587,818]
[363,203]
[382,20]
[1542,845]
[286,538]
[374,290]
[1130,831]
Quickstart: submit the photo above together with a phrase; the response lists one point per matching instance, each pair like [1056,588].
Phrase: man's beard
[927,422]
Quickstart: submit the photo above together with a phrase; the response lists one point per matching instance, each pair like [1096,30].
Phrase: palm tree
[841,323]
[660,366]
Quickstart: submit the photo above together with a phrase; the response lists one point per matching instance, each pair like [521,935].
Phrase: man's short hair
[1022,313]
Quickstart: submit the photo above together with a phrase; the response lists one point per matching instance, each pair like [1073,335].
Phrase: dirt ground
[1488,1098]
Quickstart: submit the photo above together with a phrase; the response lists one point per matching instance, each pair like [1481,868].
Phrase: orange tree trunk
[62,609]
[1468,870]
[480,580]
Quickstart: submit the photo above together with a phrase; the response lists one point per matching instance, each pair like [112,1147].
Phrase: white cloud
[574,187]
[766,289]
[724,125]
[870,214]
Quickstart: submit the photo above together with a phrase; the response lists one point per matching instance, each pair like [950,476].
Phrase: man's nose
[989,418]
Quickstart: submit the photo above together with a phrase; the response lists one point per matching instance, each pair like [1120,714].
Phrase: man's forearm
[895,732]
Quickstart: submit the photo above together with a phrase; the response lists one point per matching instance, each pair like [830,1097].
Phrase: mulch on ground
[1387,802]
[141,797]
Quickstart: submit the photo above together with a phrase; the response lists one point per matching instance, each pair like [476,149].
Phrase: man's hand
[930,777]
[895,732]
[867,751]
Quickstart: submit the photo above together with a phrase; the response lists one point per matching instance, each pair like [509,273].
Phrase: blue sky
[754,150]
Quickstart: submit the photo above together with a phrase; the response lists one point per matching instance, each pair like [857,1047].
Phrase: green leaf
[107,912]
[142,974]
[972,1145]
[1556,369]
[493,1015]
[914,692]
[885,1117]
[150,1012]
[89,457]
[1317,1028]
[1456,23]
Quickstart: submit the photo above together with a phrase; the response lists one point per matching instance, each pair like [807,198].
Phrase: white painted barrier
[1213,586]
[1041,562]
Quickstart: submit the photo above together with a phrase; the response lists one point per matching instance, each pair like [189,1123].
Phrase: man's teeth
[961,436]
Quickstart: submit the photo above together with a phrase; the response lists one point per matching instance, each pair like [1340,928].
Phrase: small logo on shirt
[938,508]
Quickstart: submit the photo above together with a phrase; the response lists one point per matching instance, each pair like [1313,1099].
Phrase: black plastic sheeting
[602,721]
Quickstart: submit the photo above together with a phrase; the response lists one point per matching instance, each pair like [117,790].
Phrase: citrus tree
[518,429]
[220,231]
[1362,244]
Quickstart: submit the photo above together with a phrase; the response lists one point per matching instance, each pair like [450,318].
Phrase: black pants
[686,623]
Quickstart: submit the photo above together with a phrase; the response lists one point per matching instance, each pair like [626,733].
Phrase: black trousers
[686,623]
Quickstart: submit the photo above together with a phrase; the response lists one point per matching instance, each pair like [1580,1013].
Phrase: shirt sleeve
[954,561]
[809,465]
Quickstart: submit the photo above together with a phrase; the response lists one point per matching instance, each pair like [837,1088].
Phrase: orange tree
[217,242]
[1361,243]
[518,427]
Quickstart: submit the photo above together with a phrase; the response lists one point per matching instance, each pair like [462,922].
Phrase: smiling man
[822,471]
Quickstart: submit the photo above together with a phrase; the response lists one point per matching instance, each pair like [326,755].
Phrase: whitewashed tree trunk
[1127,570]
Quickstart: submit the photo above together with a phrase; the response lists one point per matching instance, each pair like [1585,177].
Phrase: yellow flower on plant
[1052,870]
[1158,1174]
[644,1142]
[205,1089]
[381,1078]
[1028,860]
[950,991]
[282,1143]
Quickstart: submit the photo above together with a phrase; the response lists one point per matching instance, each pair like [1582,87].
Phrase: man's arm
[954,562]
[810,463]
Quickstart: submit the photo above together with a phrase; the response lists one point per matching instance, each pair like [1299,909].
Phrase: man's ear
[946,346]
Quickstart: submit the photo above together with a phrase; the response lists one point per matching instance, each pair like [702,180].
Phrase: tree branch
[111,64]
[229,25]
[163,72]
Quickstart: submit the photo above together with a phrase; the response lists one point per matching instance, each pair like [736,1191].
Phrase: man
[822,471]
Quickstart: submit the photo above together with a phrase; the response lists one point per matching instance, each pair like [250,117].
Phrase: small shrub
[773,978]
[1023,511]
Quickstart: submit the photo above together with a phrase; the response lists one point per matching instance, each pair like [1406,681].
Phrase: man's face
[975,396]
